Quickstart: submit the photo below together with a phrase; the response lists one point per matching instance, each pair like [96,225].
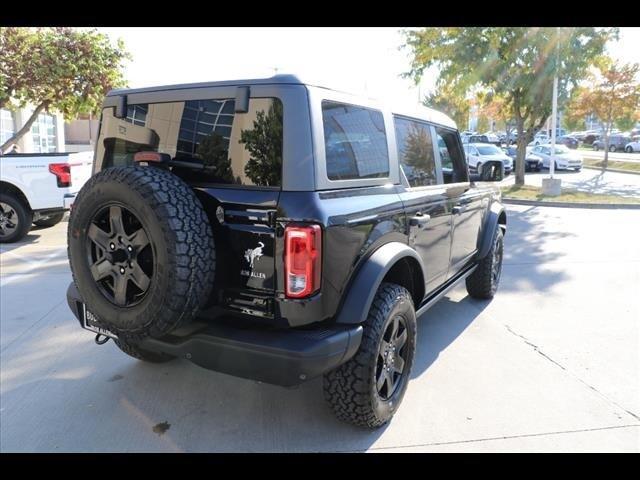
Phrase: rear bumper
[281,357]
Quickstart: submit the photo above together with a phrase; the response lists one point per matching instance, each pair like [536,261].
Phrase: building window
[137,114]
[43,132]
[7,125]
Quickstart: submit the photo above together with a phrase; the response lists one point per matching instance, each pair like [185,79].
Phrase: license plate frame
[91,322]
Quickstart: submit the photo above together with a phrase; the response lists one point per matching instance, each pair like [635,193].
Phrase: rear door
[233,160]
[424,197]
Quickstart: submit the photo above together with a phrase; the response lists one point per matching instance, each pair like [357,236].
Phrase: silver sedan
[564,157]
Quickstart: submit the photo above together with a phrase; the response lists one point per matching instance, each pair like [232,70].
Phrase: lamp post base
[551,186]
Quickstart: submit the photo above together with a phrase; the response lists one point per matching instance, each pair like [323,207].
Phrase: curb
[614,170]
[608,206]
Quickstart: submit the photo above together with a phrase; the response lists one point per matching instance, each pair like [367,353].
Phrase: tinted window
[211,142]
[454,168]
[355,142]
[415,152]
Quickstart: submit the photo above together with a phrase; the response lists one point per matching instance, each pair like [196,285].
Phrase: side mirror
[491,172]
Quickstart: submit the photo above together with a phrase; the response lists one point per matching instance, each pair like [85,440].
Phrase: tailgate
[81,164]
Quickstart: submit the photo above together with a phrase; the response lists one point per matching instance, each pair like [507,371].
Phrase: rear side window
[355,142]
[454,167]
[206,139]
[415,152]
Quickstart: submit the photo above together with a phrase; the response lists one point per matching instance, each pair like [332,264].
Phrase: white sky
[364,60]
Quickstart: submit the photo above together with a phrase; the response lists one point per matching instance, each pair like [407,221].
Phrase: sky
[360,60]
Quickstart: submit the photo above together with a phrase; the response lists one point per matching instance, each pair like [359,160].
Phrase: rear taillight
[302,260]
[62,171]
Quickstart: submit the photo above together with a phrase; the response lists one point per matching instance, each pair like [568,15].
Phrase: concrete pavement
[551,364]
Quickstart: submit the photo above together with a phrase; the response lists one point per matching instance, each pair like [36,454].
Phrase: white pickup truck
[38,188]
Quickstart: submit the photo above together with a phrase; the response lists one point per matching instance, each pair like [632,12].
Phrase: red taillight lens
[62,171]
[302,260]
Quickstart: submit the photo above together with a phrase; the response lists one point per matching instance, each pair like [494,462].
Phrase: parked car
[616,143]
[539,139]
[37,188]
[533,163]
[478,154]
[564,158]
[633,146]
[493,139]
[590,137]
[280,266]
[578,135]
[568,141]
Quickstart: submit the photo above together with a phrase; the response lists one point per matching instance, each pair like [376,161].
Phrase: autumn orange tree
[612,92]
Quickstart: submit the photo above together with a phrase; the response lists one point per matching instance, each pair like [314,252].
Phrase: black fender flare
[362,290]
[491,223]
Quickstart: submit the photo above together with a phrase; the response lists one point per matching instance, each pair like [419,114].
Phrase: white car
[564,157]
[633,146]
[540,139]
[38,188]
[480,153]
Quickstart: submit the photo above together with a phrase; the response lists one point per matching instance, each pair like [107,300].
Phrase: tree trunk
[25,128]
[521,154]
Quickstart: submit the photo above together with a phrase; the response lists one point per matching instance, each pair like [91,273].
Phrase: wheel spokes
[398,364]
[101,269]
[98,236]
[139,239]
[120,290]
[140,278]
[401,340]
[115,219]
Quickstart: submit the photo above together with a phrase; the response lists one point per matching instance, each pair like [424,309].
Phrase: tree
[264,144]
[612,93]
[573,119]
[451,103]
[517,64]
[57,69]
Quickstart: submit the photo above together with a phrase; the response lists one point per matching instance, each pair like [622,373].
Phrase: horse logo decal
[252,254]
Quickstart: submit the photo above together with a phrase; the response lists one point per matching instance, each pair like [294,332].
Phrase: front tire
[483,282]
[367,390]
[629,150]
[50,221]
[15,219]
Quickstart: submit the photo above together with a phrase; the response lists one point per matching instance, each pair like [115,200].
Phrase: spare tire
[141,251]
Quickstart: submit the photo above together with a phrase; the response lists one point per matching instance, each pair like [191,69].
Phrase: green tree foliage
[518,64]
[264,143]
[57,69]
[451,103]
[213,152]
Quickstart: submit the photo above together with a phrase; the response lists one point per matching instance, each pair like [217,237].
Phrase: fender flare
[362,290]
[491,223]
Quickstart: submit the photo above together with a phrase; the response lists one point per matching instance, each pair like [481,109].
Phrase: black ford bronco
[279,231]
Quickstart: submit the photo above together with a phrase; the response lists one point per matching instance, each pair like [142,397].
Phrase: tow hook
[103,341]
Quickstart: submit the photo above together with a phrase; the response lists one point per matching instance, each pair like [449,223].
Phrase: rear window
[206,139]
[355,142]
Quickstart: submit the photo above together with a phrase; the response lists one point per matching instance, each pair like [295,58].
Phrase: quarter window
[415,152]
[355,142]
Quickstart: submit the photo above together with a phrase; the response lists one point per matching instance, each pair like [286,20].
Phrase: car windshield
[488,150]
[561,149]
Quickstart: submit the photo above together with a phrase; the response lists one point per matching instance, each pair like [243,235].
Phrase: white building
[45,136]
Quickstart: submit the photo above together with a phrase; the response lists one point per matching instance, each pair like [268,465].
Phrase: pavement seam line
[31,326]
[508,437]
[537,349]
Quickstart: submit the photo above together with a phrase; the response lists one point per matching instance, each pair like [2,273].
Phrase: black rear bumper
[281,357]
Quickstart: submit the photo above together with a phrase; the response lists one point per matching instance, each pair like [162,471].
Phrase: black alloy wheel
[392,357]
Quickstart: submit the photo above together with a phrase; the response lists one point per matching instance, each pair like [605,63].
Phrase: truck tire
[15,218]
[141,251]
[136,352]
[367,390]
[483,282]
[50,221]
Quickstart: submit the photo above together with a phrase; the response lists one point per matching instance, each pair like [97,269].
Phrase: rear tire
[141,354]
[50,221]
[359,391]
[612,148]
[141,251]
[629,150]
[15,218]
[483,282]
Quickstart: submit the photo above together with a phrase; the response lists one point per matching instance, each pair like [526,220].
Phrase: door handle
[420,220]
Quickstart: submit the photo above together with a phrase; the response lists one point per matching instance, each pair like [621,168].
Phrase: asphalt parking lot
[551,364]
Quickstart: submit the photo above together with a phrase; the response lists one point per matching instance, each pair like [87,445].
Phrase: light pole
[552,186]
